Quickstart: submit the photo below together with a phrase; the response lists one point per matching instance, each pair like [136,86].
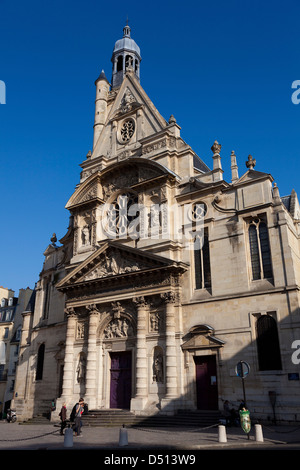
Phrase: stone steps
[38,419]
[118,418]
[126,418]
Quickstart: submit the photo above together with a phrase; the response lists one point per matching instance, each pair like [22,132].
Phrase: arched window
[128,61]
[268,347]
[40,362]
[120,63]
[202,262]
[260,250]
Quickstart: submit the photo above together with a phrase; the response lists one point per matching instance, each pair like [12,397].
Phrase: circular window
[198,211]
[127,130]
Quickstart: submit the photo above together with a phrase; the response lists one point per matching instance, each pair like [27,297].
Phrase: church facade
[167,277]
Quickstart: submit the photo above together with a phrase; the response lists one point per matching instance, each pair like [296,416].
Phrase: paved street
[14,436]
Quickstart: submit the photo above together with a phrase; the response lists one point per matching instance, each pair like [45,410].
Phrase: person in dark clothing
[78,412]
[63,418]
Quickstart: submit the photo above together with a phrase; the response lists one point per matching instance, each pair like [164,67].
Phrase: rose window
[120,215]
[127,130]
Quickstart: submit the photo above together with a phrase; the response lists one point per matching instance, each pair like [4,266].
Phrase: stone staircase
[38,419]
[118,418]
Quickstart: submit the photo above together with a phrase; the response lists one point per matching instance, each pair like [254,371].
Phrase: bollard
[258,433]
[123,437]
[222,434]
[68,440]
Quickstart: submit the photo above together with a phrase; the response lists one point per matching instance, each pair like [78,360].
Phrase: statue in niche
[158,368]
[154,321]
[86,236]
[81,367]
[81,330]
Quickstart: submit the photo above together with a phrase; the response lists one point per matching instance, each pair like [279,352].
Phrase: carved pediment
[113,264]
[88,191]
[113,260]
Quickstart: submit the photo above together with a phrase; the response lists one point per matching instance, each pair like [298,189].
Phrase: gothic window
[127,130]
[268,343]
[40,362]
[260,250]
[202,261]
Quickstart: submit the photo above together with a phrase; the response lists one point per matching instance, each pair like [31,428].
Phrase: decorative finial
[276,195]
[172,120]
[216,148]
[53,239]
[126,30]
[251,162]
[234,168]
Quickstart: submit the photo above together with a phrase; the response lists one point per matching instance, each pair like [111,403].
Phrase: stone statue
[81,369]
[158,369]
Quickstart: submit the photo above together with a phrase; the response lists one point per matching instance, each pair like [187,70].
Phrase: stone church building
[167,277]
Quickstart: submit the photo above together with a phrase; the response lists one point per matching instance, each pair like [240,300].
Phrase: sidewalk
[47,437]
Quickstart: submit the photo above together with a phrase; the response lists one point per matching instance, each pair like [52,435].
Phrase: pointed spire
[102,76]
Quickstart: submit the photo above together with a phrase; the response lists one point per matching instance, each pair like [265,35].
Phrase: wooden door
[120,380]
[206,382]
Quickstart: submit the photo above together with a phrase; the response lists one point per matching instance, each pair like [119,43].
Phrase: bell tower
[126,56]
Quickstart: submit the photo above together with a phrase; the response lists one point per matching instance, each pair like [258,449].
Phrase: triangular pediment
[130,102]
[113,260]
[252,175]
[201,337]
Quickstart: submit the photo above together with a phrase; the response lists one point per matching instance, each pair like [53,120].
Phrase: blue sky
[224,69]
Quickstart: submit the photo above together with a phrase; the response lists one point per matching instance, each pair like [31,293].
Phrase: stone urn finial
[251,162]
[216,148]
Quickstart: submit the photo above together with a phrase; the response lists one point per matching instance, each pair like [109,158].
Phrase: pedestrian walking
[63,418]
[78,412]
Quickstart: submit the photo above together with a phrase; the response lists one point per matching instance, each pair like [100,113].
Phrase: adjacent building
[168,276]
[10,331]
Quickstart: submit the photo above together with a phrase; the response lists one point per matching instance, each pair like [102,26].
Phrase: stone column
[171,360]
[139,401]
[67,389]
[91,365]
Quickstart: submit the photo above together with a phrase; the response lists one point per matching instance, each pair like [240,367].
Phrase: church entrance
[120,380]
[206,382]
